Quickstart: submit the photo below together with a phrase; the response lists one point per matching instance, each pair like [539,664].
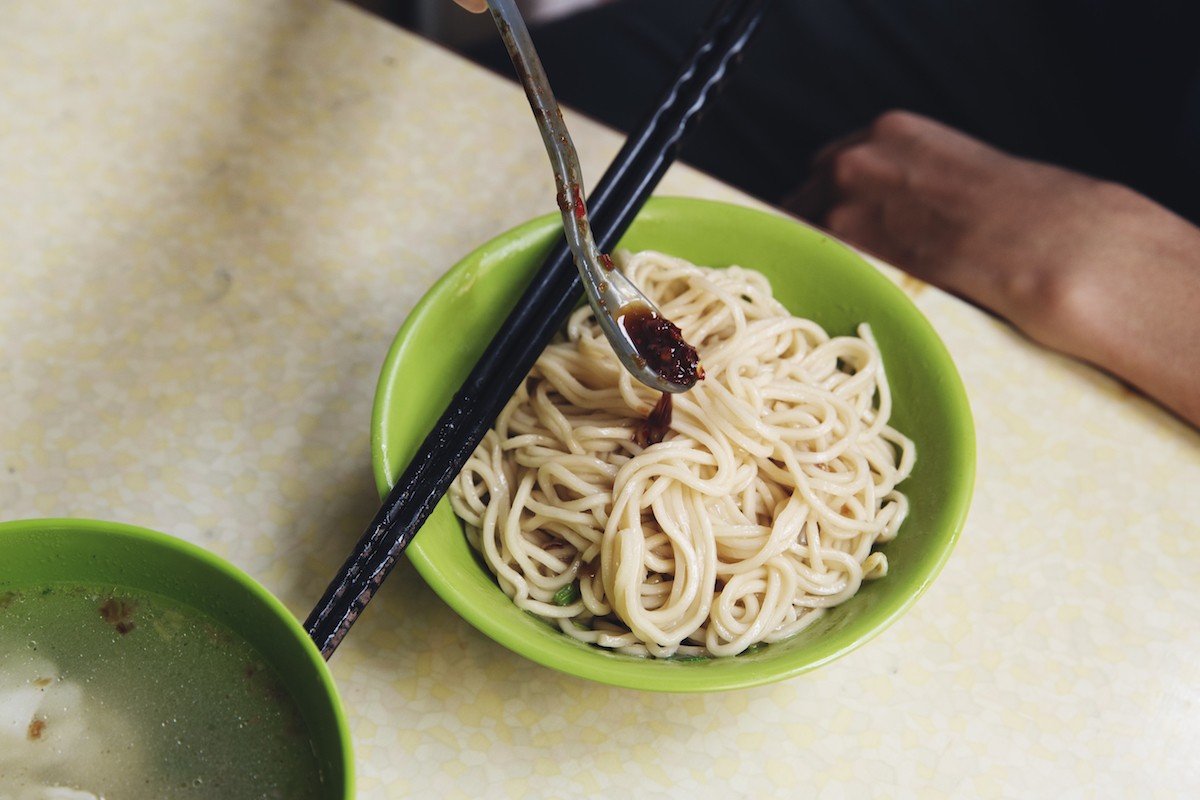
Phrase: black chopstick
[540,312]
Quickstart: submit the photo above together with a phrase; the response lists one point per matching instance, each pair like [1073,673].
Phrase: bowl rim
[342,752]
[652,674]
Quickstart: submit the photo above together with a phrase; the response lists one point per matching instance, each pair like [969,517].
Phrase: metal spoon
[648,345]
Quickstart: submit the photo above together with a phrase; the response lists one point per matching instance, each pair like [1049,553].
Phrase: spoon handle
[568,178]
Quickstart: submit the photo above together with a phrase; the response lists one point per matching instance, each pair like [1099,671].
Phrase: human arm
[1087,267]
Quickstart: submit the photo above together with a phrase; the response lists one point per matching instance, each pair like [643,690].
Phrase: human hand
[474,6]
[1084,266]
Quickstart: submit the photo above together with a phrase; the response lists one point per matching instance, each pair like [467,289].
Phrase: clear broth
[132,695]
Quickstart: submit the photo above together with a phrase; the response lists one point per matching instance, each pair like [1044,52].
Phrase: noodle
[758,509]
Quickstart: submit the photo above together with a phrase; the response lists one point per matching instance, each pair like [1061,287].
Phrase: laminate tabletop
[214,218]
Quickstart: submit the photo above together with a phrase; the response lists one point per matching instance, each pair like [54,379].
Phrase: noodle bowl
[759,508]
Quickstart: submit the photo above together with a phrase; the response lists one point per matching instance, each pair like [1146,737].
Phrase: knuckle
[844,219]
[898,122]
[852,166]
[904,131]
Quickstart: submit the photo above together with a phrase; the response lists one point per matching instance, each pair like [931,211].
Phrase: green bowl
[36,553]
[815,277]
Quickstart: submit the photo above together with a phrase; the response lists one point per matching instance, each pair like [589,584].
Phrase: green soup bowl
[192,590]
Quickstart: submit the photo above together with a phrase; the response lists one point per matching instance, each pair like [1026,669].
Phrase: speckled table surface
[215,215]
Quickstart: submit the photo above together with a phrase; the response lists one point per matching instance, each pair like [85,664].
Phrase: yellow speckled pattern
[214,215]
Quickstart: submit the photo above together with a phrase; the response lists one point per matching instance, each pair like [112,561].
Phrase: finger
[813,200]
[474,6]
[831,150]
[819,192]
[861,222]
